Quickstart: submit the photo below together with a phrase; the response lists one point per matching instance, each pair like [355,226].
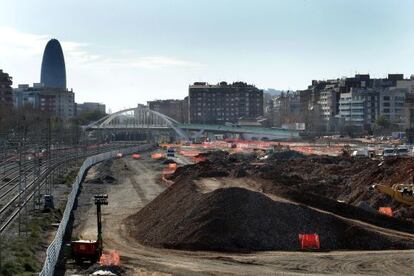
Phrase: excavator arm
[400,192]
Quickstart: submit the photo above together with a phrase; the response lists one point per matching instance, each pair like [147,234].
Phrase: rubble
[103,175]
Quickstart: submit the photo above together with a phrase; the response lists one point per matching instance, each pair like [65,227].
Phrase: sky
[126,52]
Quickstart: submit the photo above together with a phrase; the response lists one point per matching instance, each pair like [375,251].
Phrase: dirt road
[136,184]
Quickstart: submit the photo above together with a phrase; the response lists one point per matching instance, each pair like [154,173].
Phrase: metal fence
[52,253]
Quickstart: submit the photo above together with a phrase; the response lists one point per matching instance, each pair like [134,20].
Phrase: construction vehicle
[90,249]
[403,193]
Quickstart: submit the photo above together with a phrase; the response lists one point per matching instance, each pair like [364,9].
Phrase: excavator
[403,193]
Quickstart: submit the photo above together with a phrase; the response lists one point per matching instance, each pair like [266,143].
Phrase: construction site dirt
[235,214]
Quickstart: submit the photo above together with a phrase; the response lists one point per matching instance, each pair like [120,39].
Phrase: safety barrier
[309,241]
[54,249]
[136,156]
[386,211]
[157,155]
[110,258]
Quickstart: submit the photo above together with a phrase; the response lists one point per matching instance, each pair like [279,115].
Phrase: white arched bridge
[143,118]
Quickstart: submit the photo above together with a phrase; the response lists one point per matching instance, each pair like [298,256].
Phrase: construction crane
[403,193]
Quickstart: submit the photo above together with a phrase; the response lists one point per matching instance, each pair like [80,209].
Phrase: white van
[402,151]
[363,153]
[388,152]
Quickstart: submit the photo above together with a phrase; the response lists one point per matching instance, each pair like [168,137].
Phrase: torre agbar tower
[50,95]
[53,72]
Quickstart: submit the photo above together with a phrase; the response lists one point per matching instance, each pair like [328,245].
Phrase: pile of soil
[337,178]
[186,216]
[343,179]
[292,194]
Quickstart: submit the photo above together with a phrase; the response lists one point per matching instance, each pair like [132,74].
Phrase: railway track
[18,190]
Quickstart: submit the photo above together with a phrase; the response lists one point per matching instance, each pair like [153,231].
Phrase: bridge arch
[138,117]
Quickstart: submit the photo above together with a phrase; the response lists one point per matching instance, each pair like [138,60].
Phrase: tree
[383,122]
[89,116]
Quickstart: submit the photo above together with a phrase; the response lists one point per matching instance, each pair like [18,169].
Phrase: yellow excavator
[403,193]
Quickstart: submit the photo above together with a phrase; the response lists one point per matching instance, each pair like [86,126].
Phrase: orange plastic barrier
[136,156]
[157,155]
[119,155]
[110,259]
[309,241]
[386,211]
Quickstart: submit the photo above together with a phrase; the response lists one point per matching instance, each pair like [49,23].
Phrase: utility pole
[100,200]
[49,138]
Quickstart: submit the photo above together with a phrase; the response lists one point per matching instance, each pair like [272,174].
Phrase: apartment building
[6,99]
[223,102]
[175,109]
[359,107]
[59,102]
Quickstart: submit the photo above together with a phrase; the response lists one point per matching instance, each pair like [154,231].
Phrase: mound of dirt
[337,178]
[186,216]
[103,174]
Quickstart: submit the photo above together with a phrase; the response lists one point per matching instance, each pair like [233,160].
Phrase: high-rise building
[50,95]
[223,102]
[53,72]
[6,98]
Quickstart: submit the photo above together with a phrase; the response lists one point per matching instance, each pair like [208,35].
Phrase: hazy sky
[126,52]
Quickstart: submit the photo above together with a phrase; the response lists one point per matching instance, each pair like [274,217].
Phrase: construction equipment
[89,249]
[403,193]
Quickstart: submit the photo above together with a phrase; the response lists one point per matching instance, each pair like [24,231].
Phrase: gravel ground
[134,188]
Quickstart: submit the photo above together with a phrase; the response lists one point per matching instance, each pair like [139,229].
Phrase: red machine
[85,250]
[88,249]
